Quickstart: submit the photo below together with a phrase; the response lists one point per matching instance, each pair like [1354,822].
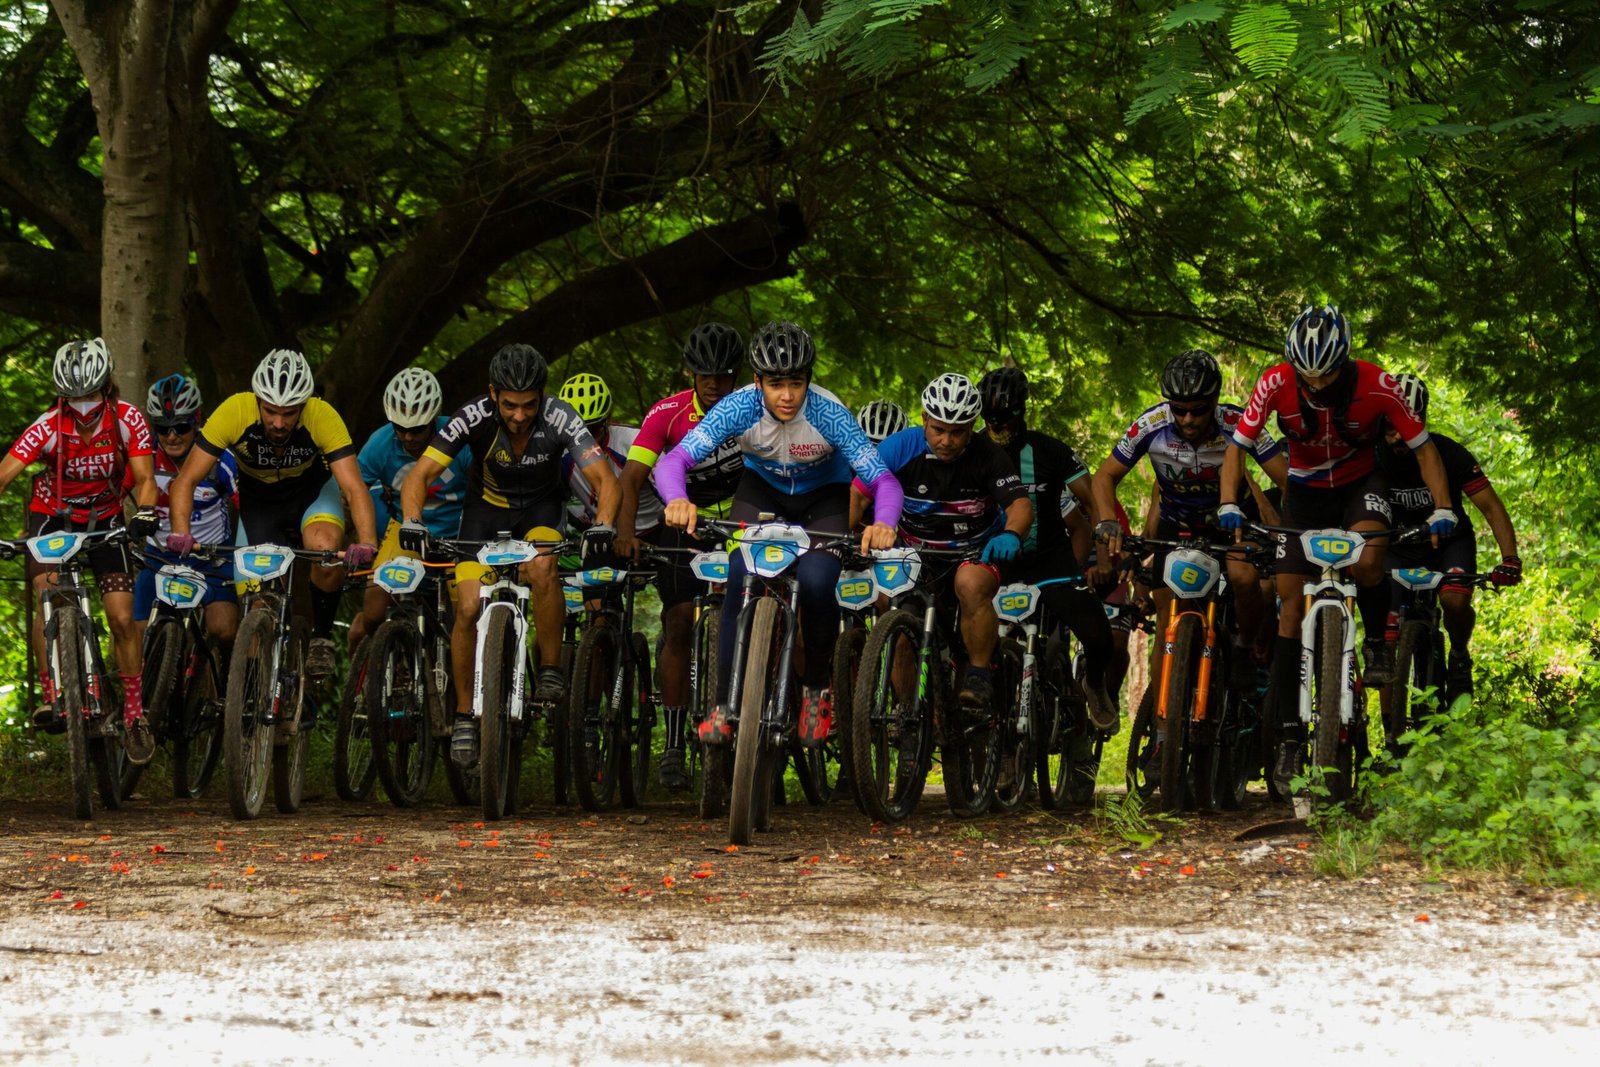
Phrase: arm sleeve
[1461,466]
[37,439]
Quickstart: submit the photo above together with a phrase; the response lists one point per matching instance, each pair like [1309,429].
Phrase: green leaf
[1265,37]
[1200,12]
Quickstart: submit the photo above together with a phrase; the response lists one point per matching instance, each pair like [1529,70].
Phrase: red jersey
[713,479]
[90,464]
[1329,448]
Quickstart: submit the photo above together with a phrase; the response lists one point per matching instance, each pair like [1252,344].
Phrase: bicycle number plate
[574,599]
[499,554]
[399,576]
[181,587]
[262,563]
[1190,573]
[1016,602]
[894,570]
[1332,548]
[1418,578]
[855,589]
[597,576]
[55,547]
[710,567]
[771,549]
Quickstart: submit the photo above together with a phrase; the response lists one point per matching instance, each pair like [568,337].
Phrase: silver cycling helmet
[172,398]
[283,379]
[412,398]
[1319,342]
[881,419]
[782,349]
[952,398]
[82,367]
[1415,392]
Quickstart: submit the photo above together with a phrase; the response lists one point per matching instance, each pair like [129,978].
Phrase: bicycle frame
[404,579]
[267,570]
[64,551]
[507,593]
[1335,551]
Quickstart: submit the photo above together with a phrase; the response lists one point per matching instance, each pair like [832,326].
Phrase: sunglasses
[175,428]
[1199,409]
[412,431]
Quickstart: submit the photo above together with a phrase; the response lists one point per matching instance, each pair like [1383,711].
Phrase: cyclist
[711,355]
[800,445]
[517,435]
[590,397]
[1050,470]
[411,403]
[87,439]
[295,460]
[1332,409]
[1185,437]
[881,419]
[960,491]
[173,408]
[1409,497]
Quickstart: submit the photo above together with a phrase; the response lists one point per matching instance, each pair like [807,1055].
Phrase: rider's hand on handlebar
[1108,535]
[1002,547]
[413,538]
[878,535]
[180,543]
[627,548]
[359,556]
[1230,517]
[145,522]
[1441,524]
[1508,573]
[681,514]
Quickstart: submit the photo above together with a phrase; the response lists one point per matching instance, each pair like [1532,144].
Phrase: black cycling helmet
[518,368]
[1192,375]
[1005,394]
[713,348]
[782,349]
[1416,394]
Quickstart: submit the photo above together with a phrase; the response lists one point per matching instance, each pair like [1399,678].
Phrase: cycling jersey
[209,522]
[1409,496]
[90,465]
[710,482]
[959,504]
[384,466]
[1046,466]
[818,447]
[1329,448]
[1189,474]
[271,472]
[502,478]
[581,510]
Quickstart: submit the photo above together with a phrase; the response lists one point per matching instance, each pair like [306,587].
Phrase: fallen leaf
[80,904]
[667,881]
[1000,874]
[703,874]
[1422,918]
[249,870]
[731,848]
[464,844]
[1185,870]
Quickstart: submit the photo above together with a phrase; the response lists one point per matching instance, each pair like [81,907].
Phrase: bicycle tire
[971,759]
[397,694]
[891,739]
[354,762]
[1053,726]
[592,728]
[289,757]
[497,769]
[716,769]
[107,755]
[847,651]
[1326,729]
[1175,728]
[1016,746]
[246,736]
[639,725]
[1143,767]
[1398,700]
[556,730]
[158,685]
[72,698]
[750,786]
[197,741]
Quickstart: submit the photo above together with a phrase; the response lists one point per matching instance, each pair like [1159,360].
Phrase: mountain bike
[408,694]
[183,680]
[715,768]
[904,697]
[264,717]
[84,697]
[611,706]
[1190,736]
[1419,660]
[354,773]
[857,596]
[502,698]
[1045,712]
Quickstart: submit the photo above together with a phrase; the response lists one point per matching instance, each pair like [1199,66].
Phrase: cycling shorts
[480,522]
[1366,500]
[281,521]
[105,560]
[1459,553]
[675,583]
[219,582]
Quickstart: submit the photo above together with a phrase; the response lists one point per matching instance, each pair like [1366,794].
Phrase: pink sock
[132,697]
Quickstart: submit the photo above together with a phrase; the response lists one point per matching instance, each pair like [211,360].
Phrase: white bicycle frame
[1334,550]
[506,557]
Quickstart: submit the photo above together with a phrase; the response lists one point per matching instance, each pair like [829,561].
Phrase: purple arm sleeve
[887,496]
[671,472]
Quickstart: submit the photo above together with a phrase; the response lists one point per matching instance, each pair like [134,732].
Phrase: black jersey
[1409,498]
[1046,466]
[957,504]
[504,478]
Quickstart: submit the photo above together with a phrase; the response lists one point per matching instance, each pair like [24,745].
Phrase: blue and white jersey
[820,446]
[385,465]
[1190,475]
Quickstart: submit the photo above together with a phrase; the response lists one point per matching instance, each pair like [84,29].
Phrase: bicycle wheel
[158,689]
[397,707]
[1015,775]
[1327,732]
[639,726]
[110,762]
[70,695]
[197,738]
[289,756]
[497,769]
[1401,701]
[716,768]
[1184,663]
[246,733]
[593,732]
[891,731]
[354,771]
[1053,725]
[971,757]
[752,786]
[846,665]
[1144,748]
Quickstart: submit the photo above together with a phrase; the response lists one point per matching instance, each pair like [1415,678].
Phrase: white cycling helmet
[881,419]
[951,398]
[82,367]
[283,379]
[173,397]
[1318,342]
[412,398]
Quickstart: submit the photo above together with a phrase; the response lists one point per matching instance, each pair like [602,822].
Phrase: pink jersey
[90,465]
[713,479]
[1329,448]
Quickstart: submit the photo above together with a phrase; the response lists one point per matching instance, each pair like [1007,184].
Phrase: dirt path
[349,930]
